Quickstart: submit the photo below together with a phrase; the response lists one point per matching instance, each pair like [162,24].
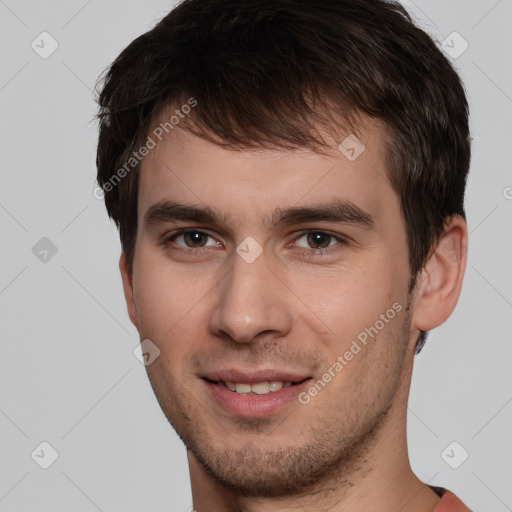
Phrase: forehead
[253,183]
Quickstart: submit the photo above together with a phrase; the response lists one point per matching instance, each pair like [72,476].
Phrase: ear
[440,282]
[126,276]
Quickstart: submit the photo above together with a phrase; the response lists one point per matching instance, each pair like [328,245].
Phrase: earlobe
[127,278]
[440,283]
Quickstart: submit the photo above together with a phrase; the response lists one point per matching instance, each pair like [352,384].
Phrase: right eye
[192,239]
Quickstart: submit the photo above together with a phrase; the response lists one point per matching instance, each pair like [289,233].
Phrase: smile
[258,388]
[256,398]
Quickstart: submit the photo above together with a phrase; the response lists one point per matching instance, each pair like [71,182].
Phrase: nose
[250,300]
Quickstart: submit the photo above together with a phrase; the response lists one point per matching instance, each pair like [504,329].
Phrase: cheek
[158,300]
[350,299]
[169,303]
[369,355]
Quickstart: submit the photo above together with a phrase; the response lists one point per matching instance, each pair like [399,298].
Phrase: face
[274,284]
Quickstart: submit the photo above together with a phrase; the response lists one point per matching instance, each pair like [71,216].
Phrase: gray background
[68,375]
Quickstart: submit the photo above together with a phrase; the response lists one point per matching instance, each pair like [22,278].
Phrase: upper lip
[253,376]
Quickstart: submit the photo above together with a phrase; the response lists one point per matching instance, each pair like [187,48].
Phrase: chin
[253,471]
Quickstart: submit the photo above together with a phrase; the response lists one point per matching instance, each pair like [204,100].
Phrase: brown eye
[195,239]
[318,240]
[192,239]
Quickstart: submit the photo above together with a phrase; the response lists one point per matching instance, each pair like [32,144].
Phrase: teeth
[276,385]
[243,388]
[230,385]
[259,388]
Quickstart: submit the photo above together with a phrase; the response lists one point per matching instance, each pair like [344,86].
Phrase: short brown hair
[260,70]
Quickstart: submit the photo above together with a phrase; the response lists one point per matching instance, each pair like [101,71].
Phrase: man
[288,179]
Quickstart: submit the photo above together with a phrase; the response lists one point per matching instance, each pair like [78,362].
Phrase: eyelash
[303,252]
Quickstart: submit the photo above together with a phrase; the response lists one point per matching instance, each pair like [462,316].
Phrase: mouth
[256,388]
[256,395]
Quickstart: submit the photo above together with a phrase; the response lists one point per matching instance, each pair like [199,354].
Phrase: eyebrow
[340,211]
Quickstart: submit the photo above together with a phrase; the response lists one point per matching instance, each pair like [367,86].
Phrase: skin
[207,308]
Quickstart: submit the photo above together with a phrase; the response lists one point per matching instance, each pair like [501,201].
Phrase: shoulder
[449,502]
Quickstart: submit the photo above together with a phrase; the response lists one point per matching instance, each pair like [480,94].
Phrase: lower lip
[249,405]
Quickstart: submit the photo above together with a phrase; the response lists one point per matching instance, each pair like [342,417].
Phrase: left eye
[321,239]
